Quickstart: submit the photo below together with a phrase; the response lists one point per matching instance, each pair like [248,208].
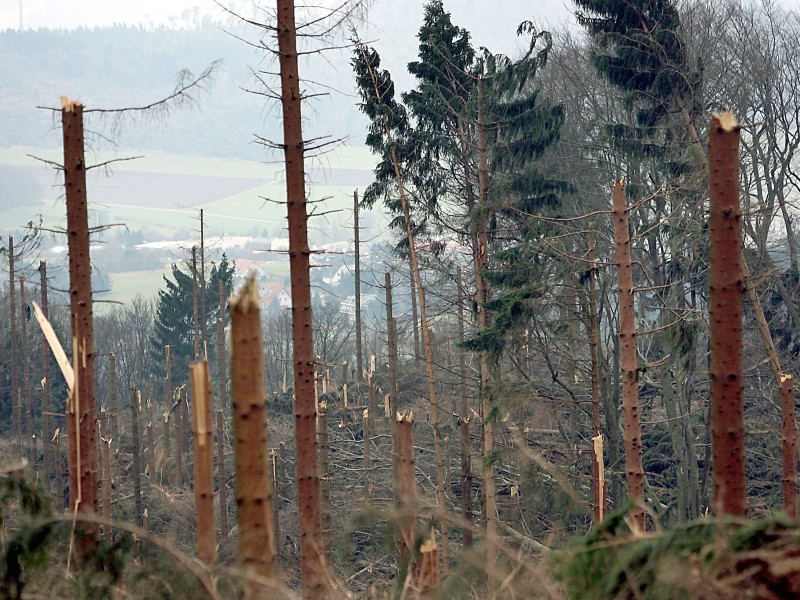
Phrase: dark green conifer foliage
[638,47]
[175,317]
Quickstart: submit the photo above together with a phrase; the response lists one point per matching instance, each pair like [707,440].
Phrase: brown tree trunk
[789,446]
[725,316]
[47,428]
[202,287]
[203,428]
[253,489]
[357,275]
[314,582]
[82,405]
[180,438]
[365,428]
[414,315]
[407,489]
[463,421]
[113,406]
[59,469]
[276,508]
[151,441]
[632,429]
[428,571]
[222,478]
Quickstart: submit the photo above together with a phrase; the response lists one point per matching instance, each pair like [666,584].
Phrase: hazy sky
[91,13]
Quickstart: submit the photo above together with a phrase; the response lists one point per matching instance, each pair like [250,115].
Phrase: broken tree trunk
[203,429]
[789,446]
[326,522]
[726,297]
[407,490]
[598,478]
[314,582]
[137,458]
[253,489]
[632,429]
[81,412]
[222,478]
[26,377]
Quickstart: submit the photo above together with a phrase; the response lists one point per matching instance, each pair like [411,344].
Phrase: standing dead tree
[203,462]
[253,489]
[726,299]
[81,417]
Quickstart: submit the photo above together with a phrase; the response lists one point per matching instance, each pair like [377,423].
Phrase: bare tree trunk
[222,358]
[429,573]
[253,489]
[407,490]
[180,439]
[391,330]
[59,469]
[326,523]
[632,429]
[481,265]
[367,434]
[222,478]
[594,345]
[789,446]
[463,420]
[137,461]
[357,275]
[414,316]
[26,376]
[12,296]
[725,317]
[113,405]
[203,463]
[276,508]
[202,287]
[314,582]
[47,428]
[196,317]
[107,481]
[81,413]
[151,441]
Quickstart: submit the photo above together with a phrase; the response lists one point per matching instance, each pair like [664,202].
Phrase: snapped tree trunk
[12,297]
[47,427]
[357,275]
[203,429]
[725,316]
[222,478]
[314,581]
[326,522]
[598,477]
[253,489]
[81,413]
[789,446]
[407,490]
[632,429]
[137,458]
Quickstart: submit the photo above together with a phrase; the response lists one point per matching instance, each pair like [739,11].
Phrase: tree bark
[81,414]
[632,429]
[326,523]
[137,460]
[407,490]
[12,297]
[725,316]
[203,429]
[26,378]
[598,478]
[196,317]
[314,582]
[789,446]
[222,479]
[47,428]
[463,421]
[253,489]
[357,275]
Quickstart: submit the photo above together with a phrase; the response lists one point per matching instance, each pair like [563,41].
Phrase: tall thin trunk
[414,315]
[253,489]
[481,265]
[632,429]
[202,287]
[366,422]
[81,414]
[12,296]
[203,428]
[151,441]
[222,478]
[222,358]
[107,481]
[276,507]
[594,345]
[196,317]
[463,421]
[113,406]
[357,275]
[137,460]
[26,376]
[47,429]
[725,318]
[326,522]
[180,438]
[789,446]
[391,330]
[314,582]
[59,469]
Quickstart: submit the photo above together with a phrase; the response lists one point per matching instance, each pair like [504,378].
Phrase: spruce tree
[174,323]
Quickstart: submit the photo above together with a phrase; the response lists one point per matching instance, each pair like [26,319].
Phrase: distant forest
[125,66]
